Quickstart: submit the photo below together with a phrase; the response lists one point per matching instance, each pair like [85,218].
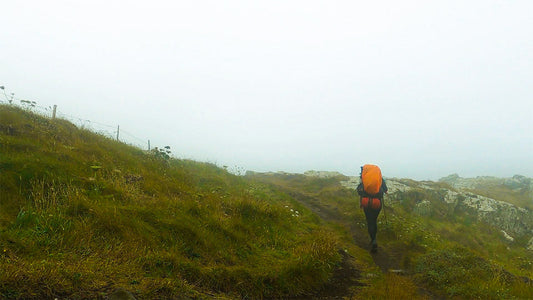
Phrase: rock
[501,214]
[507,217]
[507,236]
[423,208]
[396,186]
[450,178]
[513,220]
[351,183]
[322,174]
[392,184]
[517,182]
[451,197]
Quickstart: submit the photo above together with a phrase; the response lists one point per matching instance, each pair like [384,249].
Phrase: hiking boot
[374,248]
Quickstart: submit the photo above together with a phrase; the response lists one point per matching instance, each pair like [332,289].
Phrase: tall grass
[459,272]
[82,215]
[391,286]
[447,253]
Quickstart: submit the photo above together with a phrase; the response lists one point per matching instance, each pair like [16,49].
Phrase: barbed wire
[47,111]
[5,95]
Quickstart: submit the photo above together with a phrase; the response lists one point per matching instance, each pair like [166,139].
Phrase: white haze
[422,88]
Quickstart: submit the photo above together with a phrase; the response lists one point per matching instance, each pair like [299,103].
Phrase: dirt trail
[385,259]
[347,276]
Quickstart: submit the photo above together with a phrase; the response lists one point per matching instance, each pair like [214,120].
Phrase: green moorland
[447,254]
[82,215]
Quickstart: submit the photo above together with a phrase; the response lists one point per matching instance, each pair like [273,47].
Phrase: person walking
[371,190]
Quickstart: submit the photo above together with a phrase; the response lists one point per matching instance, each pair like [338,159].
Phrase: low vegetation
[446,254]
[82,215]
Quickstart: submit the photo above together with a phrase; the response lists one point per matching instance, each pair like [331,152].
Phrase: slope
[427,246]
[82,215]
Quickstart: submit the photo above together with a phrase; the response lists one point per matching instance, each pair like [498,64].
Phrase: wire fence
[49,111]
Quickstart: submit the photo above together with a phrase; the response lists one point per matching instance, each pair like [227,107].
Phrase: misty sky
[421,88]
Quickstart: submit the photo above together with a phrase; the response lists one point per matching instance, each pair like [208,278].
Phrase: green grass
[391,286]
[82,215]
[445,254]
[458,272]
[521,198]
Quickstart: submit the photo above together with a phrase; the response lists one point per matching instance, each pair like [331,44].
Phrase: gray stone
[507,236]
[322,174]
[423,208]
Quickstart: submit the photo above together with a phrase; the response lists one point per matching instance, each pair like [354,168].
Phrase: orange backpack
[371,177]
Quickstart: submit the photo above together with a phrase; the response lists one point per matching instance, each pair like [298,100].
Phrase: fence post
[54,112]
[148,145]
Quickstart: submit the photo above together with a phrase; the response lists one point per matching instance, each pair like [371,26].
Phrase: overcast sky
[421,88]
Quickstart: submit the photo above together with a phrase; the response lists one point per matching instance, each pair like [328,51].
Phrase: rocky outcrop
[516,183]
[457,195]
[423,208]
[513,220]
[506,216]
[393,185]
[351,183]
[322,174]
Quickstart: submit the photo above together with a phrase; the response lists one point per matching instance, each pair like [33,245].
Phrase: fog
[421,88]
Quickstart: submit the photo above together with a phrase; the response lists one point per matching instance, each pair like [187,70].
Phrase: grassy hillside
[82,215]
[443,254]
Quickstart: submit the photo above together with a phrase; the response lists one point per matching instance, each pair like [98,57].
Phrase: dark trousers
[372,221]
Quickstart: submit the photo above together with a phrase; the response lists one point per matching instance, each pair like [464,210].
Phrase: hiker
[371,190]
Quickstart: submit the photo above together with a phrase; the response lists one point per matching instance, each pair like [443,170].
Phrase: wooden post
[118,131]
[54,112]
[148,145]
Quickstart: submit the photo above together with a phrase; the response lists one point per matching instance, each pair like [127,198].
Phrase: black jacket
[379,195]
